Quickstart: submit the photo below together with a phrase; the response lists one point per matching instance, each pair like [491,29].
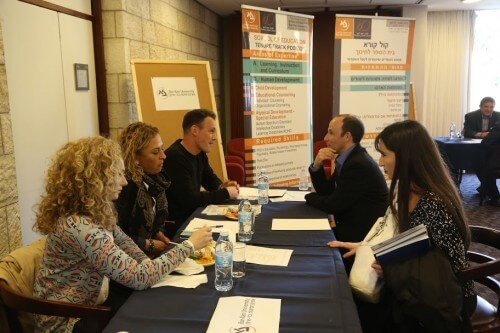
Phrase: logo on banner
[268,23]
[362,28]
[251,20]
[344,28]
[242,329]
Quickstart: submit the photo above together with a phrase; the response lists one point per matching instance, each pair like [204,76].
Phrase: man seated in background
[490,161]
[357,193]
[478,123]
[194,183]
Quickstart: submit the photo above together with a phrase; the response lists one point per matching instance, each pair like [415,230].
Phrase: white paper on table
[182,281]
[292,196]
[266,256]
[251,192]
[198,223]
[246,314]
[189,267]
[214,210]
[300,224]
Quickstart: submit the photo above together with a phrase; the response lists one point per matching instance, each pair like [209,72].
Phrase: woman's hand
[158,246]
[233,192]
[160,242]
[201,237]
[345,245]
[376,266]
[161,237]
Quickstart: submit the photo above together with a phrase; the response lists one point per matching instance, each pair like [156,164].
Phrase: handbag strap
[382,224]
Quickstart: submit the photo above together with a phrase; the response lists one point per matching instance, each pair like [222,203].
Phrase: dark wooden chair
[14,302]
[17,304]
[483,268]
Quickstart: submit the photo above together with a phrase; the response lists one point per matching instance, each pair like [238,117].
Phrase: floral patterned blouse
[79,253]
[443,233]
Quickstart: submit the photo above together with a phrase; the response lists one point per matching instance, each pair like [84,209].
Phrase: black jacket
[356,197]
[474,122]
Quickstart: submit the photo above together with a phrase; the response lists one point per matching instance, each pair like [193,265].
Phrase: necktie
[338,167]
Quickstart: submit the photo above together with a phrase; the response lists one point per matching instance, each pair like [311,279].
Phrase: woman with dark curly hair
[85,247]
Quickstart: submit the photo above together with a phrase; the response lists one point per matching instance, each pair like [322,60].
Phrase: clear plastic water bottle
[223,262]
[303,180]
[263,187]
[452,130]
[245,221]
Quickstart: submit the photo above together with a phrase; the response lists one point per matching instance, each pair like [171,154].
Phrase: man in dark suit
[478,123]
[356,194]
[490,161]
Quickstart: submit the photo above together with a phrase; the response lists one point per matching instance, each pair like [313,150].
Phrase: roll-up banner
[372,60]
[277,50]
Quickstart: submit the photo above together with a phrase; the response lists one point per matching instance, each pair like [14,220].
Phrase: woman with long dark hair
[422,192]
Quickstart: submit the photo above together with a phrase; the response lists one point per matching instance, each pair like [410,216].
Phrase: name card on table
[267,256]
[292,196]
[301,224]
[246,314]
[251,193]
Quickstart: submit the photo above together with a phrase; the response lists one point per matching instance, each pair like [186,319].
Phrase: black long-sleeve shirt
[188,173]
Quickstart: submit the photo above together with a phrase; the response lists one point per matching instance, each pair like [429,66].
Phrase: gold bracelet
[151,245]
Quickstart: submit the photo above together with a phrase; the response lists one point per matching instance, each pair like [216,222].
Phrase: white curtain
[449,46]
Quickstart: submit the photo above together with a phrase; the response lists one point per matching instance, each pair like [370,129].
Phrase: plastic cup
[239,260]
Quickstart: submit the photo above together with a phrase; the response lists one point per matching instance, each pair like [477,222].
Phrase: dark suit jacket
[474,122]
[491,146]
[356,197]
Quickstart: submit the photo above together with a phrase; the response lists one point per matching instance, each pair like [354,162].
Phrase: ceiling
[227,7]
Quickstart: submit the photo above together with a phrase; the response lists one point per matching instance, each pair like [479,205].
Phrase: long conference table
[313,288]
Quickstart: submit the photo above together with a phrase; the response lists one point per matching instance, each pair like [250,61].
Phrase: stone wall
[155,29]
[10,227]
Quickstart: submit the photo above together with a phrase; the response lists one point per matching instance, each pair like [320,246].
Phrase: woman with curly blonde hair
[77,215]
[142,205]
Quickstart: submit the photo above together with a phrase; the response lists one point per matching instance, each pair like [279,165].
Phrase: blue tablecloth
[459,154]
[313,288]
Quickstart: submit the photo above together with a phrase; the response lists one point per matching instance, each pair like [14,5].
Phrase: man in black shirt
[194,183]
